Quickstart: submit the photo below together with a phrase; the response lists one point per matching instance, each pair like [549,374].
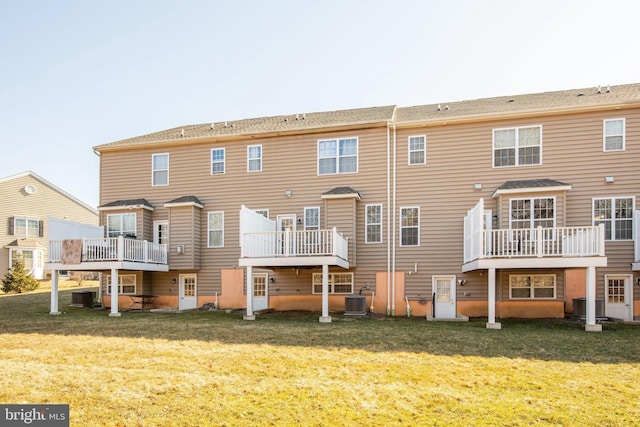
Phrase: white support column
[492,324]
[54,293]
[591,325]
[325,318]
[249,315]
[114,294]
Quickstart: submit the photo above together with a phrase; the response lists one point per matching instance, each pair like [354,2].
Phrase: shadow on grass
[529,339]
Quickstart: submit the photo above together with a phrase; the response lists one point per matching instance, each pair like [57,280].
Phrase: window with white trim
[126,284]
[532,212]
[254,158]
[26,227]
[160,169]
[32,258]
[123,224]
[518,146]
[410,226]
[616,213]
[217,161]
[532,286]
[215,229]
[339,283]
[337,156]
[373,227]
[418,150]
[613,135]
[263,212]
[312,218]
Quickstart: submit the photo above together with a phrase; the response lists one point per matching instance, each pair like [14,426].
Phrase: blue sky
[75,74]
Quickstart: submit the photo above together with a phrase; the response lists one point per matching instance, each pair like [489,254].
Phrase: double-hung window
[121,225]
[337,156]
[26,227]
[410,226]
[126,284]
[613,135]
[373,230]
[533,286]
[339,283]
[217,161]
[616,213]
[312,218]
[418,150]
[160,169]
[254,158]
[526,214]
[517,146]
[215,230]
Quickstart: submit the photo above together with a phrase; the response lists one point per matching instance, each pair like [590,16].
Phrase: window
[254,158]
[161,232]
[217,161]
[616,213]
[339,283]
[126,284]
[121,224]
[27,227]
[160,169]
[417,150]
[535,286]
[373,230]
[337,156]
[613,138]
[312,218]
[517,146]
[531,213]
[216,230]
[263,212]
[410,226]
[33,259]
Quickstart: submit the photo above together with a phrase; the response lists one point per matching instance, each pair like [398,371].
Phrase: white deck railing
[114,249]
[636,237]
[294,243]
[536,242]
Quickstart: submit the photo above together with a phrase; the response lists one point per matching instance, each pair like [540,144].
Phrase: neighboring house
[27,202]
[502,207]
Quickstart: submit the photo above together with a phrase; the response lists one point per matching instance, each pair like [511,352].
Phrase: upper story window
[418,150]
[517,146]
[215,234]
[410,226]
[373,230]
[532,212]
[254,158]
[613,135]
[160,169]
[25,227]
[337,156]
[312,218]
[263,212]
[616,213]
[217,161]
[121,224]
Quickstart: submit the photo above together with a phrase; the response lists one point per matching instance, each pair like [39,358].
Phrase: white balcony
[106,253]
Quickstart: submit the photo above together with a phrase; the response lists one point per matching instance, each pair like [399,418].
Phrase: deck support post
[249,315]
[492,324]
[54,293]
[325,318]
[591,325]
[114,293]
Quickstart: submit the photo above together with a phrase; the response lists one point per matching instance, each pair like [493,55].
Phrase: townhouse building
[513,206]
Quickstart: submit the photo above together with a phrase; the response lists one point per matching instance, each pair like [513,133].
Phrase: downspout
[388,219]
[393,232]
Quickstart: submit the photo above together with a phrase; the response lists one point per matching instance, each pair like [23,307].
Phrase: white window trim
[604,134]
[209,245]
[367,224]
[224,161]
[26,226]
[337,157]
[256,158]
[153,171]
[135,231]
[156,229]
[532,219]
[613,219]
[331,283]
[424,150]
[37,260]
[401,226]
[531,295]
[517,165]
[316,208]
[120,285]
[264,212]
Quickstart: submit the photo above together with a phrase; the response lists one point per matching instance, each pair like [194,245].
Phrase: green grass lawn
[211,368]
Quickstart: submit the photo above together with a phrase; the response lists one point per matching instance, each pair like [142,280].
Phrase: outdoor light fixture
[288,193]
[173,280]
[477,186]
[608,179]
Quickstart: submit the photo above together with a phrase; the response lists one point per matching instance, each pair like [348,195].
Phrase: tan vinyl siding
[184,231]
[341,214]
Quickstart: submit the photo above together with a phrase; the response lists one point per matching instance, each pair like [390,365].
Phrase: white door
[444,288]
[188,297]
[260,291]
[618,297]
[286,239]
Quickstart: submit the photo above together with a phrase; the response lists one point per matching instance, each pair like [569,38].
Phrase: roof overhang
[125,207]
[500,192]
[183,204]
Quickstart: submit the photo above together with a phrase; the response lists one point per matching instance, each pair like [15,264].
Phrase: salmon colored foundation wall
[575,286]
[232,289]
[529,310]
[380,301]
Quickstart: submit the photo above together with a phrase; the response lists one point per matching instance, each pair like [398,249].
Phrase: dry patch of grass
[205,368]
